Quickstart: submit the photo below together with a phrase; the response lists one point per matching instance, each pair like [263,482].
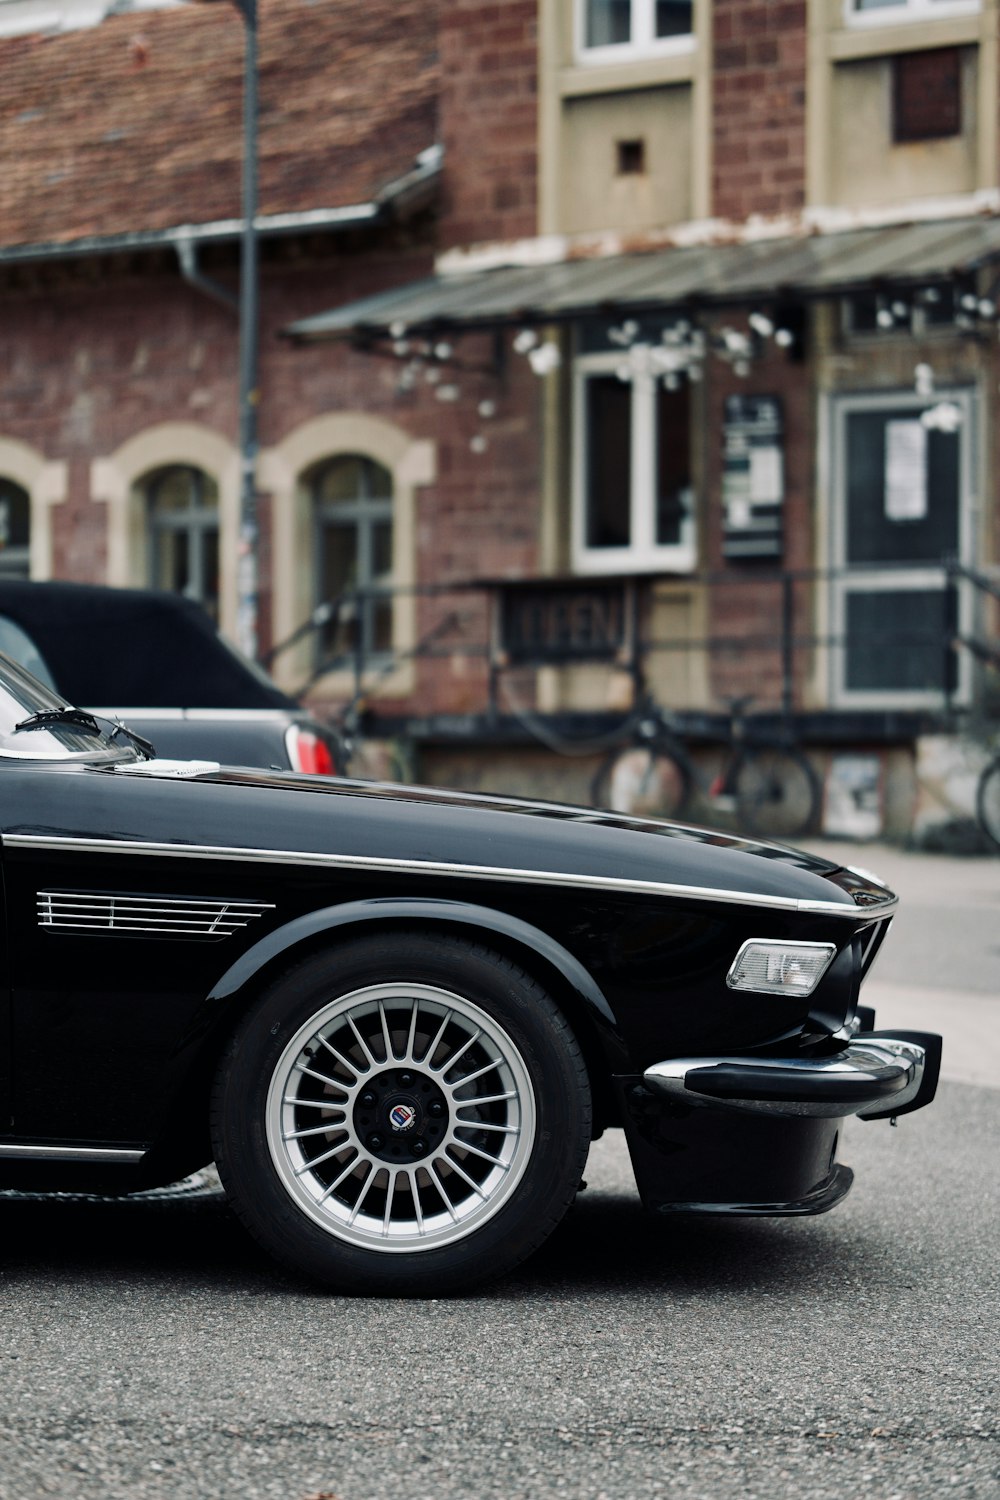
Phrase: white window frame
[643,43]
[871,577]
[643,554]
[908,12]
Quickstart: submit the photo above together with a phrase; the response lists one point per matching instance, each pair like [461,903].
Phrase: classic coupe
[396,1017]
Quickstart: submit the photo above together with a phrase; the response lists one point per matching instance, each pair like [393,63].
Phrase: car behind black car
[157,660]
[397,1017]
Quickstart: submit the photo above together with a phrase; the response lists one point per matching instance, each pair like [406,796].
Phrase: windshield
[22,696]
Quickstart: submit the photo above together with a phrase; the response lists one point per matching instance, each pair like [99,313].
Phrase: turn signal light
[308,752]
[774,968]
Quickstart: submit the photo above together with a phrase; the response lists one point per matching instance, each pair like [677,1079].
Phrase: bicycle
[766,782]
[988,799]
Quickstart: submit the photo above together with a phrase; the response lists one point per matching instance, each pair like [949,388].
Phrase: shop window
[907,312]
[182,507]
[612,30]
[353,520]
[633,496]
[926,95]
[15,530]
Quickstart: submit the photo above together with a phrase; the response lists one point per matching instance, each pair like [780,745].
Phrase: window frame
[909,12]
[196,521]
[642,554]
[15,558]
[364,514]
[847,578]
[643,42]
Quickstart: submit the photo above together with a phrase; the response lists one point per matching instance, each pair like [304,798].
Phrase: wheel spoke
[453,1164]
[452,1061]
[387,1040]
[429,1054]
[344,1062]
[411,1178]
[484,1099]
[483,1125]
[471,1077]
[331,1104]
[300,1135]
[411,1038]
[369,1054]
[390,1193]
[369,1183]
[335,1184]
[494,1161]
[317,1161]
[322,1077]
[435,1177]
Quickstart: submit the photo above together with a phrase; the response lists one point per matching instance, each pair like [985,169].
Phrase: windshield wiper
[78,718]
[144,746]
[73,718]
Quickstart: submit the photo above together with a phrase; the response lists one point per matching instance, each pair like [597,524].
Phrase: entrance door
[902,504]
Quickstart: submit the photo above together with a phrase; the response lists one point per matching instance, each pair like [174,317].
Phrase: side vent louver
[191,917]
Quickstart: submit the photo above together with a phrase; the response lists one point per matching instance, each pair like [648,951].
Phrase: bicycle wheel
[988,801]
[643,781]
[777,793]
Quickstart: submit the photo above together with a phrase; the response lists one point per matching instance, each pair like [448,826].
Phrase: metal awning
[768,270]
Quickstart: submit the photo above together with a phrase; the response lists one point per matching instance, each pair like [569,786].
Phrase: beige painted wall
[594,196]
[866,168]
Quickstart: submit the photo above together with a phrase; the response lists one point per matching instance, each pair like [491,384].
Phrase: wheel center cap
[402,1116]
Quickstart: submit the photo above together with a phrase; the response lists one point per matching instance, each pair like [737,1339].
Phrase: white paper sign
[766,479]
[905,471]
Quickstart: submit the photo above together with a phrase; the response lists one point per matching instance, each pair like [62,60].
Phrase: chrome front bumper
[876,1076]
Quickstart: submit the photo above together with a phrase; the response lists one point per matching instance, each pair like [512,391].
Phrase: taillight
[308,752]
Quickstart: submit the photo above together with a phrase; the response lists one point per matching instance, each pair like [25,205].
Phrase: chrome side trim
[159,916]
[70,1153]
[503,873]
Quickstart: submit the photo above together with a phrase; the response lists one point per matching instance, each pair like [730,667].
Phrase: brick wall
[489,120]
[88,361]
[759,107]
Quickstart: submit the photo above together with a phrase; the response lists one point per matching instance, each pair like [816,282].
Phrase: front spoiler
[877,1075]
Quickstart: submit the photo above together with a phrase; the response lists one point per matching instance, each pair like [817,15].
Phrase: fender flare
[333,920]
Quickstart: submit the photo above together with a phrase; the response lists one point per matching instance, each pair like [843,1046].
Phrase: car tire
[406,1113]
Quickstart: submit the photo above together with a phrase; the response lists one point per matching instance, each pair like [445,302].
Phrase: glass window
[633,497]
[182,507]
[353,515]
[15,527]
[633,26]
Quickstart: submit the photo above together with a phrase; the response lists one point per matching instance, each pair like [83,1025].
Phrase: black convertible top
[134,648]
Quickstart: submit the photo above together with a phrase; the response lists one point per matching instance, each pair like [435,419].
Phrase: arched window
[352,511]
[182,506]
[15,530]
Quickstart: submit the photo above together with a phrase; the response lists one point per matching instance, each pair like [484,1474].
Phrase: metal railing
[772,634]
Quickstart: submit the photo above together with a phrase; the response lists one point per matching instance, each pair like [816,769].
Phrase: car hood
[432,825]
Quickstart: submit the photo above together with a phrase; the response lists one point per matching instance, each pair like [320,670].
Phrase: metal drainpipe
[187,256]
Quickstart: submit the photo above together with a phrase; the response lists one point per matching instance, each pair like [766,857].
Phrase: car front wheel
[404,1113]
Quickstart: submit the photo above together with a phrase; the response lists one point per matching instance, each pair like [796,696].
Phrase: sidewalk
[940,967]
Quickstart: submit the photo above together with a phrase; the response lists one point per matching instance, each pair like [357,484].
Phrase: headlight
[776,968]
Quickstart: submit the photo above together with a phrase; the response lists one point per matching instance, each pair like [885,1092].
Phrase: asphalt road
[148,1350]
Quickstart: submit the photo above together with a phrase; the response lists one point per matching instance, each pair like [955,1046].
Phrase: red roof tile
[136,124]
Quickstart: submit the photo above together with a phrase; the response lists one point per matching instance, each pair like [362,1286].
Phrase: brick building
[596,335]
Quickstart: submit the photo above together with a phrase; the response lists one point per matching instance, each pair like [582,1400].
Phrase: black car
[156,659]
[397,1017]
